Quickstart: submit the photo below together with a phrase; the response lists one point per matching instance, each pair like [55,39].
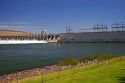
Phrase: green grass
[113,73]
[107,74]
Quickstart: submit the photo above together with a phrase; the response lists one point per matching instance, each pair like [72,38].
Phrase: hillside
[4,32]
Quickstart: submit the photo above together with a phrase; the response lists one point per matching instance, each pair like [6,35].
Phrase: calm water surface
[19,57]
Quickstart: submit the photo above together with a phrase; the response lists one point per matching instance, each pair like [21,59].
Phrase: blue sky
[54,15]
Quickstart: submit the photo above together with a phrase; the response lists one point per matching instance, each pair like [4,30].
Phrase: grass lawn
[113,73]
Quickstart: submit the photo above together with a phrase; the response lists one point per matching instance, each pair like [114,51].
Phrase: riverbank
[113,73]
[64,64]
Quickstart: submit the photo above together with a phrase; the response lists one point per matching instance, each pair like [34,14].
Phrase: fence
[54,72]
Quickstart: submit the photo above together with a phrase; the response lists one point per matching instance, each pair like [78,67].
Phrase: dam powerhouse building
[98,34]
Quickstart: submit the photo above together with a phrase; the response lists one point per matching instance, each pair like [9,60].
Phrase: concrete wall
[114,36]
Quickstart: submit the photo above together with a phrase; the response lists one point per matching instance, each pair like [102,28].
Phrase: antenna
[68,29]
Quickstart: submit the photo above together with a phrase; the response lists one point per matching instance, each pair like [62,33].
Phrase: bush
[101,56]
[74,61]
[69,61]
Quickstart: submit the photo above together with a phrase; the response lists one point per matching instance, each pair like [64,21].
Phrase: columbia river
[15,58]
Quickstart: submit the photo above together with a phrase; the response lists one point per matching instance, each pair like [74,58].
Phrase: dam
[98,34]
[20,37]
[94,37]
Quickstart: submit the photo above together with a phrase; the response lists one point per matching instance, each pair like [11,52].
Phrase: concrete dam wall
[93,37]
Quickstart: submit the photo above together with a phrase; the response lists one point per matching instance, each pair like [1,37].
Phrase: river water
[19,57]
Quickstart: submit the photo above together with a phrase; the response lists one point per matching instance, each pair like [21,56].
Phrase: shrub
[74,61]
[69,61]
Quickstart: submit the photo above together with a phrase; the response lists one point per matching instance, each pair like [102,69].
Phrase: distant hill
[4,32]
